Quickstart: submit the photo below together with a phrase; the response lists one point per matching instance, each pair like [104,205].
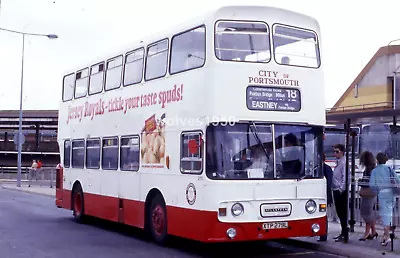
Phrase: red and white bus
[211,131]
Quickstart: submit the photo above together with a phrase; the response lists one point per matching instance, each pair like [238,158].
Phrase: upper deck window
[82,81]
[157,60]
[188,50]
[295,46]
[242,41]
[96,78]
[68,87]
[134,67]
[114,73]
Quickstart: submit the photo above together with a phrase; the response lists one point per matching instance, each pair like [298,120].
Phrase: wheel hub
[158,220]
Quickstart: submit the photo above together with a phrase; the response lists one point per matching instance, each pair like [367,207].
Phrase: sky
[351,32]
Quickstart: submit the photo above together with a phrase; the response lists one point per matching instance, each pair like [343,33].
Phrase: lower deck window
[110,154]
[78,153]
[191,153]
[67,153]
[130,153]
[93,153]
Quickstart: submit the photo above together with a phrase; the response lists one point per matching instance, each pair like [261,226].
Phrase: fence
[357,210]
[43,176]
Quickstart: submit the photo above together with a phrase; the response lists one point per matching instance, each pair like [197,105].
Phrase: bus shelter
[360,116]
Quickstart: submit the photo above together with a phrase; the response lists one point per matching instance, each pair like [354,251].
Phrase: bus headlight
[237,209]
[311,206]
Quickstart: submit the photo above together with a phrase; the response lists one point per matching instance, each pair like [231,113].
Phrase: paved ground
[31,226]
[354,248]
[34,188]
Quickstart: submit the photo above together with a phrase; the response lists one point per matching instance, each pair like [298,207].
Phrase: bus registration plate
[275,225]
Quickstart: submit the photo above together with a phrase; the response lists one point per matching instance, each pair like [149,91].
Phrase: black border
[147,52]
[86,151]
[63,87]
[87,86]
[143,63]
[120,76]
[300,28]
[181,152]
[271,179]
[90,78]
[72,152]
[205,50]
[120,151]
[271,86]
[249,21]
[291,209]
[102,146]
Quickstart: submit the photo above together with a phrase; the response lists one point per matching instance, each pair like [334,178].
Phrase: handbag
[366,192]
[395,182]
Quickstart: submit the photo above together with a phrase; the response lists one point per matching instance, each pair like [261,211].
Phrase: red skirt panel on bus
[198,225]
[204,226]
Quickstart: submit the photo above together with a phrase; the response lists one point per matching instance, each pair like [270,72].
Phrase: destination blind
[273,99]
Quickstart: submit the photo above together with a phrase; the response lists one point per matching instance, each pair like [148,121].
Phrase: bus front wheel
[78,204]
[158,220]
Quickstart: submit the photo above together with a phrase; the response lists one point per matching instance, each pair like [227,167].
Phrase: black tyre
[78,207]
[157,220]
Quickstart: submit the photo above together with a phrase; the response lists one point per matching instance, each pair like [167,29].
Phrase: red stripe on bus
[197,225]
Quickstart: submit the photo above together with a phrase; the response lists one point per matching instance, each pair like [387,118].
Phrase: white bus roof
[209,16]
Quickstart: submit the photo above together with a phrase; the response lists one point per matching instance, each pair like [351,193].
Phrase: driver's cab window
[291,151]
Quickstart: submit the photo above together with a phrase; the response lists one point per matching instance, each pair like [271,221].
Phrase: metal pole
[20,115]
[394,154]
[352,221]
[346,231]
[394,92]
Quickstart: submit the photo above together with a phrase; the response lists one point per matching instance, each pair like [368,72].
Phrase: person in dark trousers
[339,190]
[328,176]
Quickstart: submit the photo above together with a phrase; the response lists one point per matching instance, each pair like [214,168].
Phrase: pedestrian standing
[368,197]
[339,190]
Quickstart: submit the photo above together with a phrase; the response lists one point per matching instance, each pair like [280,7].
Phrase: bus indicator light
[222,212]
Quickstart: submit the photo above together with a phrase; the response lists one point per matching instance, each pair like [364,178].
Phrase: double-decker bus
[211,131]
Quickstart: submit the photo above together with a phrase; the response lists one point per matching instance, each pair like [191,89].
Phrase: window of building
[188,50]
[81,84]
[114,73]
[130,153]
[96,78]
[109,159]
[157,60]
[134,67]
[191,152]
[93,153]
[78,153]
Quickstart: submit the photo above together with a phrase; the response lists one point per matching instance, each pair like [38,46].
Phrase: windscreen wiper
[258,139]
[304,177]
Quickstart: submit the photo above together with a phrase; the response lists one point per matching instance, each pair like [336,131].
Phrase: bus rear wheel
[78,204]
[158,220]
